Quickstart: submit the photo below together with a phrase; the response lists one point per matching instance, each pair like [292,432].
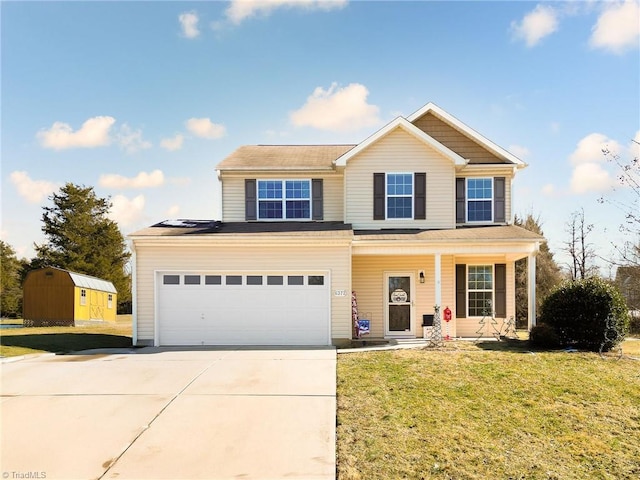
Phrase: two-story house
[417,215]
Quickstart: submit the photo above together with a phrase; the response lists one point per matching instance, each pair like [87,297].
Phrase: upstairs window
[284,199]
[479,199]
[400,195]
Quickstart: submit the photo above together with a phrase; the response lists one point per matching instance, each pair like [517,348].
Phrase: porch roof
[498,233]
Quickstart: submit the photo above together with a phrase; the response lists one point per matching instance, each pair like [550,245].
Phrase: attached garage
[243,308]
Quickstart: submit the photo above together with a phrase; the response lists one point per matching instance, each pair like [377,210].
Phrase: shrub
[584,312]
[544,336]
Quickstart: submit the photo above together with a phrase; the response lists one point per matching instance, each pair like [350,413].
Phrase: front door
[399,304]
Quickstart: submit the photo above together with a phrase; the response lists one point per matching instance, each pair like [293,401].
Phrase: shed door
[290,308]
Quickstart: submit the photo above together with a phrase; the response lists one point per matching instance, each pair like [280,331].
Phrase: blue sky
[142,99]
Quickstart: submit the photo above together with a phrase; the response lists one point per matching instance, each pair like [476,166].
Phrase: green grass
[24,341]
[492,410]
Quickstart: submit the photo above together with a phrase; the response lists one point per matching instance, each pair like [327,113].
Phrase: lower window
[480,290]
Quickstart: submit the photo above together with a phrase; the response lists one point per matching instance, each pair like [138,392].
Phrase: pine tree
[548,273]
[10,284]
[81,238]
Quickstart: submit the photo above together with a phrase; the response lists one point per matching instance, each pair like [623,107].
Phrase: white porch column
[438,279]
[531,287]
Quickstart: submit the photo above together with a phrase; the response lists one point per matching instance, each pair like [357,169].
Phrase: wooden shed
[53,296]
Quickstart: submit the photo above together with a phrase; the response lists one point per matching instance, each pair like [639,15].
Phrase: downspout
[134,294]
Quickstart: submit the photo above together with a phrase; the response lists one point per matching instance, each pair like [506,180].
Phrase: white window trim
[284,199]
[109,301]
[83,296]
[492,290]
[386,196]
[467,200]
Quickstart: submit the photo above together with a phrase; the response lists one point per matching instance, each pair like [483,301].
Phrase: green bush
[544,336]
[586,313]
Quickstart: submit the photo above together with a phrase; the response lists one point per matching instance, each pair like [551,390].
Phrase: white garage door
[243,308]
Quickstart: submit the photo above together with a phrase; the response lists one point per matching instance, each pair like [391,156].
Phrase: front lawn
[468,412]
[23,341]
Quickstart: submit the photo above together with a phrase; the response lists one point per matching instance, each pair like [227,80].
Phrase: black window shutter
[378,196]
[317,198]
[250,199]
[420,196]
[461,290]
[499,199]
[460,200]
[501,290]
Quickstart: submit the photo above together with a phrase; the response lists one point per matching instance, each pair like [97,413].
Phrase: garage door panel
[223,314]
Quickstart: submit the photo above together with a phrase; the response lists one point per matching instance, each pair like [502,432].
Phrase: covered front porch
[399,278]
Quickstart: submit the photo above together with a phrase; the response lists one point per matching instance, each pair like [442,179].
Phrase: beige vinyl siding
[454,140]
[369,285]
[233,193]
[243,258]
[496,172]
[400,152]
[468,327]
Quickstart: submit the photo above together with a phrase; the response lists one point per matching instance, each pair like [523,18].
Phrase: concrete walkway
[171,413]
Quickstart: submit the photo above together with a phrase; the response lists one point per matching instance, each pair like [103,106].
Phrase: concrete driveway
[171,414]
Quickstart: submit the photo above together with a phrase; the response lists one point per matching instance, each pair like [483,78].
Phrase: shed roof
[87,281]
[283,157]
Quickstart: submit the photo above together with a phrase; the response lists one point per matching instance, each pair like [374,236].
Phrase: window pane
[254,279]
[316,279]
[171,279]
[297,189]
[233,280]
[213,280]
[399,184]
[275,280]
[479,188]
[192,279]
[479,211]
[269,189]
[399,207]
[480,304]
[270,209]
[298,209]
[295,280]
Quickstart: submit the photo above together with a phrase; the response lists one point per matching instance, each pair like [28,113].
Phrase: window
[109,301]
[83,296]
[192,279]
[284,199]
[295,280]
[213,280]
[233,280]
[171,279]
[399,195]
[480,290]
[254,279]
[275,280]
[316,280]
[479,199]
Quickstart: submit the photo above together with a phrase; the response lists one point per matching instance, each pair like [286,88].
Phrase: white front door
[399,290]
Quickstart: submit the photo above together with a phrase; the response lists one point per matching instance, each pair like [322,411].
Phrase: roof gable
[401,123]
[431,108]
[84,281]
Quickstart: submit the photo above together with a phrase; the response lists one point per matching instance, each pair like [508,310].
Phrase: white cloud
[240,10]
[33,191]
[142,180]
[549,190]
[172,144]
[131,141]
[519,151]
[337,109]
[93,133]
[590,177]
[189,24]
[618,27]
[205,128]
[589,149]
[537,24]
[173,211]
[126,211]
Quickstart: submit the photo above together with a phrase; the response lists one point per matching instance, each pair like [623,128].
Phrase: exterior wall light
[421,274]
